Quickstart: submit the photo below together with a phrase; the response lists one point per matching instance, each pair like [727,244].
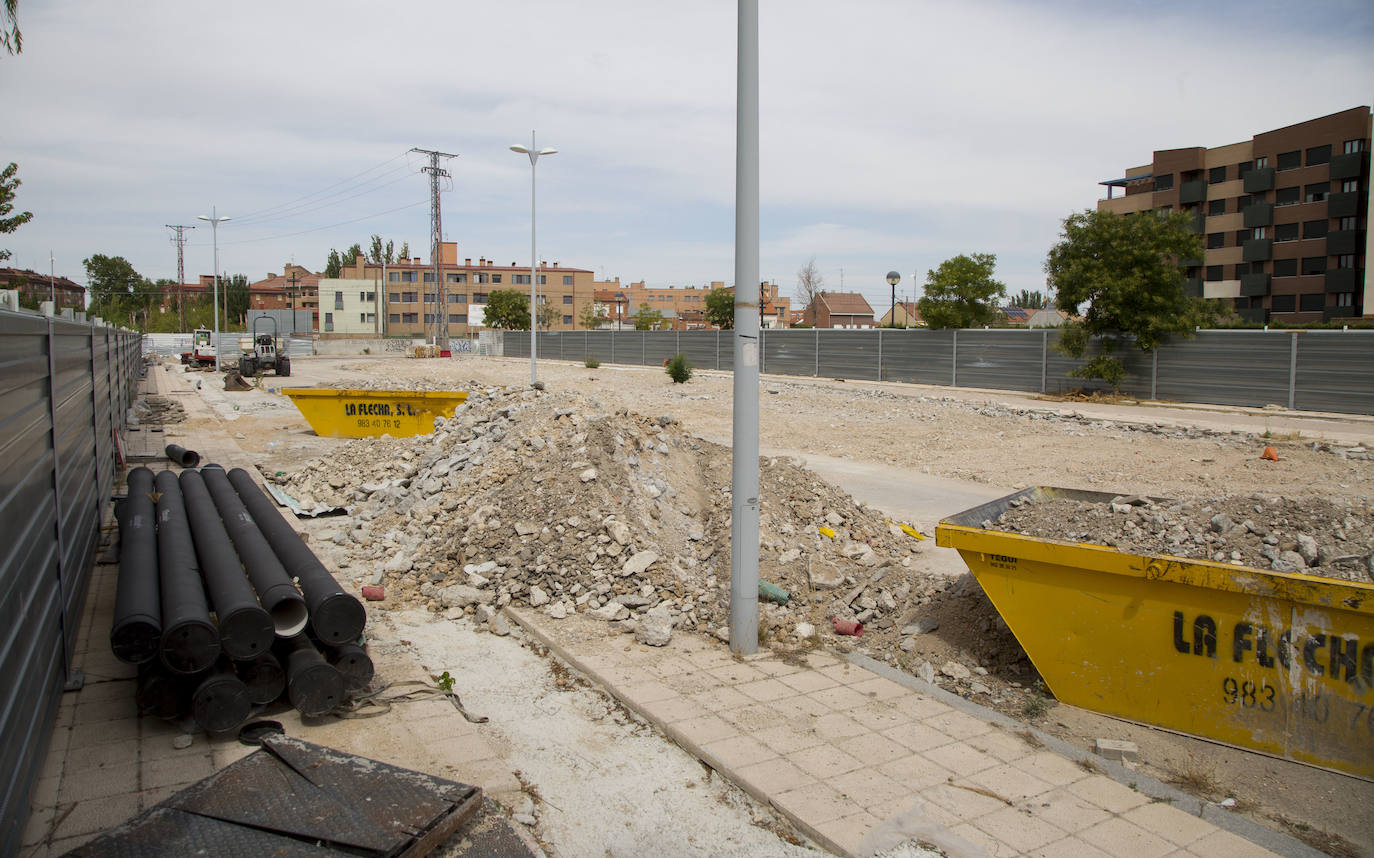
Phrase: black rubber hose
[220,702]
[353,662]
[245,628]
[190,641]
[275,590]
[335,616]
[182,456]
[137,626]
[314,686]
[263,677]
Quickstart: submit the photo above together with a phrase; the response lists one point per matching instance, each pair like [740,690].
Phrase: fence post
[880,354]
[954,361]
[613,333]
[817,373]
[762,353]
[1044,358]
[1154,373]
[57,497]
[1293,371]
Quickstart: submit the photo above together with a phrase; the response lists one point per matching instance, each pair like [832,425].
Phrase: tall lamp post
[534,154]
[215,220]
[893,278]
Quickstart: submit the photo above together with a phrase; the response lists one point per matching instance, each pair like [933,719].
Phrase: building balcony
[1345,280]
[1192,192]
[1258,214]
[1329,313]
[1199,222]
[1344,204]
[1259,180]
[1349,166]
[1258,250]
[1192,287]
[1254,284]
[1258,315]
[1340,241]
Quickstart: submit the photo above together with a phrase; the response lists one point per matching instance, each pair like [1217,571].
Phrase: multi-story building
[410,298]
[683,307]
[351,308]
[1284,217]
[296,288]
[35,288]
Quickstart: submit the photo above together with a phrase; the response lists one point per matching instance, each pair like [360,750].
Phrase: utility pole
[441,294]
[180,241]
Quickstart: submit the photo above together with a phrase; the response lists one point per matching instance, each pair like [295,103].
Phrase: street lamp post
[215,220]
[534,154]
[893,278]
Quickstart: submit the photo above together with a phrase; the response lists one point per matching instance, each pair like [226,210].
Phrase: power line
[326,202]
[260,212]
[326,226]
[180,241]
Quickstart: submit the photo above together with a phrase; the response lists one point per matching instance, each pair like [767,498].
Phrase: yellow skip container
[1275,662]
[370,413]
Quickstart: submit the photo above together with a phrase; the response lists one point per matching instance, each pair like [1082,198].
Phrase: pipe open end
[289,617]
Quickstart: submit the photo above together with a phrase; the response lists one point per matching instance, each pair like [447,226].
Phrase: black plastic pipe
[275,590]
[137,624]
[313,685]
[335,616]
[263,677]
[245,628]
[182,456]
[190,641]
[220,702]
[159,693]
[353,662]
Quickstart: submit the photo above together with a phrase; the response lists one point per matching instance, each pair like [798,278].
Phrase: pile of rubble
[547,500]
[1315,536]
[155,411]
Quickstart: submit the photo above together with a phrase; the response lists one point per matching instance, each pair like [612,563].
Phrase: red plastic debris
[374,594]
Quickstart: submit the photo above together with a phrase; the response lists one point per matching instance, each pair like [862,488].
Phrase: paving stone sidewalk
[860,761]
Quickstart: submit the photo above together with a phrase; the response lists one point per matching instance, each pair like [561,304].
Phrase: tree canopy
[113,283]
[236,299]
[333,264]
[379,254]
[647,319]
[591,314]
[546,315]
[9,183]
[962,293]
[508,309]
[720,308]
[1030,300]
[809,283]
[1127,269]
[10,37]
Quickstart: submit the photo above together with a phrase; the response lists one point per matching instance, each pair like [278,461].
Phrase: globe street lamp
[215,221]
[534,154]
[893,278]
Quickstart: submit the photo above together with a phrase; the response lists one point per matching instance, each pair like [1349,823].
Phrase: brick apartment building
[36,287]
[683,308]
[1284,216]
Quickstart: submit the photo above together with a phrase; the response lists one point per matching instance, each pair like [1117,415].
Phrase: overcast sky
[894,134]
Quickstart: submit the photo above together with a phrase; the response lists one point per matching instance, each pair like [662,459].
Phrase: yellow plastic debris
[825,531]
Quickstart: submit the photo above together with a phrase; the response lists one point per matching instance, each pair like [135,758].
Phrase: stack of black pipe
[207,608]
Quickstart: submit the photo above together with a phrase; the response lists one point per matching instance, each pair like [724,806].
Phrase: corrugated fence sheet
[1305,370]
[65,387]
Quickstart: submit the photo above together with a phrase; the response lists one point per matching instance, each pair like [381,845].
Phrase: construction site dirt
[545,498]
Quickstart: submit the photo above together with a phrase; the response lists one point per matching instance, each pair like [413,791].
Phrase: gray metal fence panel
[1335,372]
[659,347]
[789,352]
[1000,359]
[918,357]
[849,354]
[701,348]
[1225,368]
[64,387]
[598,345]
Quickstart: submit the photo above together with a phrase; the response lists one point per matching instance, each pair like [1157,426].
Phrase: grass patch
[679,369]
[590,362]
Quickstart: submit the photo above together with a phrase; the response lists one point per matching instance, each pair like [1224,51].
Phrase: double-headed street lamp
[534,154]
[893,278]
[215,220]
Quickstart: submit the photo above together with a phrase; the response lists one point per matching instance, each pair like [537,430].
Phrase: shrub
[679,369]
[590,362]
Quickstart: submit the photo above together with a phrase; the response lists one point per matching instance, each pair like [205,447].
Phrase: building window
[458,318]
[496,278]
[1314,229]
[1243,268]
[458,298]
[429,277]
[409,297]
[1349,222]
[407,276]
[1345,260]
[567,320]
[1350,185]
[1216,175]
[1312,303]
[429,318]
[1213,273]
[1285,268]
[1244,167]
[453,278]
[1317,191]
[479,278]
[567,300]
[1290,160]
[1216,207]
[520,279]
[1313,265]
[1215,240]
[367,296]
[362,317]
[1284,303]
[1353,146]
[394,298]
[394,318]
[1287,196]
[393,276]
[1319,155]
[329,321]
[1261,162]
[1260,232]
[453,319]
[567,280]
[543,279]
[479,297]
[431,298]
[410,318]
[1164,182]
[1286,232]
[338,300]
[1345,299]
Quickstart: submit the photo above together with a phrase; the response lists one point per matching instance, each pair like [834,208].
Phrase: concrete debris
[1118,750]
[955,670]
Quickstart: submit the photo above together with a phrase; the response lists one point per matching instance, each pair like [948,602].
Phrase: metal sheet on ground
[296,798]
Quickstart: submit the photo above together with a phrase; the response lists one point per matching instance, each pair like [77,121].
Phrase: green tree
[333,266]
[405,252]
[380,254]
[8,185]
[591,315]
[647,319]
[720,308]
[962,293]
[10,37]
[1030,300]
[508,309]
[546,315]
[1126,268]
[350,256]
[236,299]
[114,286]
